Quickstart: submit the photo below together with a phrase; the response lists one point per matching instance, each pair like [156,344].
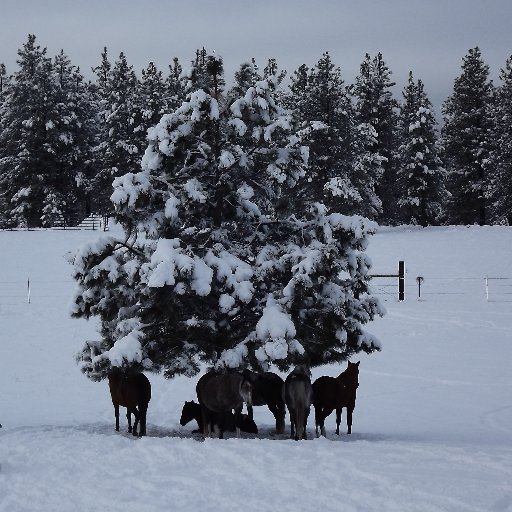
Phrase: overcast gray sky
[428,36]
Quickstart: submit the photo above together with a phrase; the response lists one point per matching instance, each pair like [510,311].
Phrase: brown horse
[219,393]
[132,391]
[331,393]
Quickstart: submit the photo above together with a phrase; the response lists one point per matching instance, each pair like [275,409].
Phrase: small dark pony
[268,389]
[219,393]
[298,394]
[331,393]
[132,391]
[192,411]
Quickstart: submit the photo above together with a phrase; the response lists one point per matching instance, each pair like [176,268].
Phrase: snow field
[432,424]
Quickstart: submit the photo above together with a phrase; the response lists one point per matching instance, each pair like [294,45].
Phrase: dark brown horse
[220,393]
[298,394]
[132,391]
[192,411]
[268,389]
[330,393]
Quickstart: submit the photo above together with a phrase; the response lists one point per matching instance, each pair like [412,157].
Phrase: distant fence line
[93,222]
[490,288]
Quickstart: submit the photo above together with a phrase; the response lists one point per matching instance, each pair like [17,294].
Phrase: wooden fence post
[401,281]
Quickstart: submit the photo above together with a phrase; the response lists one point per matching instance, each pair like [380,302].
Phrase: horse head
[189,412]
[351,374]
[302,369]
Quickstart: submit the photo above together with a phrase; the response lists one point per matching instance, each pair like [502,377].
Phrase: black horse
[334,393]
[222,392]
[268,389]
[298,395]
[192,411]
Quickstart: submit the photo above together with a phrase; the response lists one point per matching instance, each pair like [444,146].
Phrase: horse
[298,395]
[132,391]
[192,411]
[221,392]
[267,389]
[331,393]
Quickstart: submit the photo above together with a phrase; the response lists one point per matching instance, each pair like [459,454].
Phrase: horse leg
[249,412]
[306,415]
[116,413]
[292,424]
[338,419]
[238,414]
[136,414]
[143,409]
[323,415]
[350,410]
[325,412]
[129,418]
[317,419]
[280,423]
[206,416]
[279,414]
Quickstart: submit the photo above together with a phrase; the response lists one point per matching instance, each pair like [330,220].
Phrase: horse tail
[300,414]
[302,404]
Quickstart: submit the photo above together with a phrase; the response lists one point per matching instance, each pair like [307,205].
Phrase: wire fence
[27,291]
[492,289]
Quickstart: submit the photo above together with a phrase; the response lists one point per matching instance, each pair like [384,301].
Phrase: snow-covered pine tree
[208,268]
[149,104]
[4,84]
[375,106]
[500,159]
[297,100]
[28,141]
[74,132]
[175,92]
[420,172]
[466,140]
[84,113]
[245,77]
[323,111]
[117,153]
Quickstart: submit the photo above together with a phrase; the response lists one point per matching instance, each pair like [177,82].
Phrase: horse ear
[357,364]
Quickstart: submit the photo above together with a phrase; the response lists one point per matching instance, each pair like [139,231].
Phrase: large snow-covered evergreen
[219,263]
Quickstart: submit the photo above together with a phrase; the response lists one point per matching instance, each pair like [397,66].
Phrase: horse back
[298,390]
[220,392]
[267,389]
[330,393]
[129,390]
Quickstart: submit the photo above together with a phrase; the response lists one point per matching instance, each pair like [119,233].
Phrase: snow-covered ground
[432,425]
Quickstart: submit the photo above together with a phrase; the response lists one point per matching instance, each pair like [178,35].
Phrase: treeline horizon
[64,139]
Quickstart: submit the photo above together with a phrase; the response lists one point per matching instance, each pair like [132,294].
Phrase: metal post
[419,280]
[28,290]
[401,281]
